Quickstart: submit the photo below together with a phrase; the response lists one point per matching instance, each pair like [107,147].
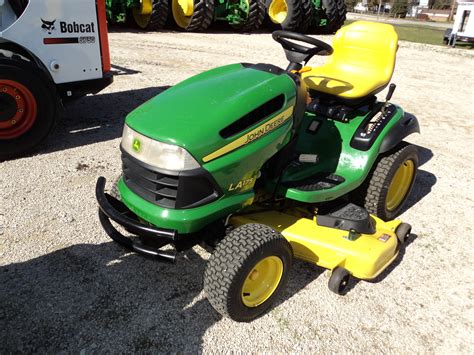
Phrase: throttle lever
[390,92]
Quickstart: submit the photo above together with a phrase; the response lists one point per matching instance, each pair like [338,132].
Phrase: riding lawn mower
[262,164]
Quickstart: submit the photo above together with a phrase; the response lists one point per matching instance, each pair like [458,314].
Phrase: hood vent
[255,116]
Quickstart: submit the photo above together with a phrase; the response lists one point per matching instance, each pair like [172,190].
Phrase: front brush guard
[112,209]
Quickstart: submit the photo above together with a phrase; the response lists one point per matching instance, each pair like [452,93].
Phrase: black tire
[202,17]
[307,16]
[233,262]
[159,16]
[339,280]
[373,193]
[335,14]
[18,6]
[403,231]
[21,71]
[257,11]
[294,15]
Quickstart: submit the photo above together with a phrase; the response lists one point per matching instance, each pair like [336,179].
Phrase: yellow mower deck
[365,257]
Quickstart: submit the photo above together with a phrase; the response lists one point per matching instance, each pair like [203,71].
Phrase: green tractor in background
[148,15]
[320,16]
[189,15]
[197,15]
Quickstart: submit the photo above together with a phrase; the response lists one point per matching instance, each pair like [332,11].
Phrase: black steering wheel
[297,53]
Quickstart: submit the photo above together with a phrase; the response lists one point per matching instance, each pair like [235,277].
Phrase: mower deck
[365,256]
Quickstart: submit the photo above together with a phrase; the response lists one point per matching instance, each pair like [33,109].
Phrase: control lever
[391,89]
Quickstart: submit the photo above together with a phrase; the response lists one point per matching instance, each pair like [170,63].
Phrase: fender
[403,128]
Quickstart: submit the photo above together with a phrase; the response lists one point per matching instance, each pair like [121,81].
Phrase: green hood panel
[192,113]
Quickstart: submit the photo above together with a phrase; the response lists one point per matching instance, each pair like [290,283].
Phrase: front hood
[192,113]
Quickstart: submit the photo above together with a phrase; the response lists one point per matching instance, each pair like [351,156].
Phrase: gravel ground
[66,287]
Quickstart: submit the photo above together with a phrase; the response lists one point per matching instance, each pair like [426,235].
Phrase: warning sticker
[384,238]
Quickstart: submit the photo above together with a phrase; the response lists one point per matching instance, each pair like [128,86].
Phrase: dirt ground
[66,287]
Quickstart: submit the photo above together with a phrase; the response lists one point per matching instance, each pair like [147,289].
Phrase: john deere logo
[136,145]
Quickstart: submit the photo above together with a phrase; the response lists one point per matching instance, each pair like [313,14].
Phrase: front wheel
[388,186]
[151,15]
[247,272]
[29,106]
[339,280]
[286,13]
[193,15]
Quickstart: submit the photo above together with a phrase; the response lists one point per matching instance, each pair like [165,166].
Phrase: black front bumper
[112,209]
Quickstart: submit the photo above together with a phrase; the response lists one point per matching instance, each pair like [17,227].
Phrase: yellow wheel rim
[142,14]
[398,189]
[277,11]
[262,281]
[183,11]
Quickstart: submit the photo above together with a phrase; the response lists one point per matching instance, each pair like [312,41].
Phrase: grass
[420,34]
[417,33]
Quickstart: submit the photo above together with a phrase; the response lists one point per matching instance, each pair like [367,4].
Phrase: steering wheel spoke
[297,53]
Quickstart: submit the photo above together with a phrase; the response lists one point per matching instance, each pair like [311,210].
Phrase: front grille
[186,190]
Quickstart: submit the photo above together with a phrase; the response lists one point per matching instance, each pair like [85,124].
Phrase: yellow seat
[362,63]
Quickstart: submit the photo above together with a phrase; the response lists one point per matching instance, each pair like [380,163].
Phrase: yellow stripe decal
[258,132]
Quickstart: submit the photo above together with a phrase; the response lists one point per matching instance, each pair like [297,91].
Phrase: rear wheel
[193,15]
[286,13]
[307,16]
[335,14]
[247,271]
[388,186]
[255,16]
[29,106]
[151,15]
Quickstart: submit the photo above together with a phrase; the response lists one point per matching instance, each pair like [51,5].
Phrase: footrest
[348,217]
[317,182]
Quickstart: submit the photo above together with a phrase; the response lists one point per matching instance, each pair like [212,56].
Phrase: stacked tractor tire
[304,16]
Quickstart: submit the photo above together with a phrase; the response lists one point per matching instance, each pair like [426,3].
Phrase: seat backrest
[366,47]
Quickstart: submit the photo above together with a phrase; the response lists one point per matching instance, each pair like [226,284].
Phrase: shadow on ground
[97,297]
[100,298]
[424,180]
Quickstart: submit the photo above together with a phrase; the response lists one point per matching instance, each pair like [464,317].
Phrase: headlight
[157,154]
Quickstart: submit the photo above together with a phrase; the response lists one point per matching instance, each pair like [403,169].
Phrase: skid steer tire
[257,11]
[335,14]
[294,13]
[29,106]
[247,272]
[158,18]
[201,18]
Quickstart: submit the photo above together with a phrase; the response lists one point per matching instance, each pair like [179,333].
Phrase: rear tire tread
[202,16]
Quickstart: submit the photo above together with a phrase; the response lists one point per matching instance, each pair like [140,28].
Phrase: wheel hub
[18,109]
[183,11]
[262,281]
[278,11]
[142,14]
[186,6]
[398,189]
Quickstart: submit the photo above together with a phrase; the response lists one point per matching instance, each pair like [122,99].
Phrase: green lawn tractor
[319,16]
[197,15]
[149,15]
[262,164]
